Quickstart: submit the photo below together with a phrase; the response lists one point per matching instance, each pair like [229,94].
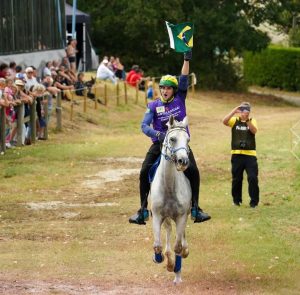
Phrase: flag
[181,36]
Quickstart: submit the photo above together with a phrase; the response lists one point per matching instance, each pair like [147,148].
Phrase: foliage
[294,37]
[276,67]
[135,31]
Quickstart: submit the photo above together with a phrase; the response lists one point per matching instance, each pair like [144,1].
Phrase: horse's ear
[171,121]
[185,121]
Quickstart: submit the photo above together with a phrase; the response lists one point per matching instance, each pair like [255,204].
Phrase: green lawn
[240,251]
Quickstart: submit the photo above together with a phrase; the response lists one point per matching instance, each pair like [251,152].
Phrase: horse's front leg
[158,256]
[180,230]
[170,261]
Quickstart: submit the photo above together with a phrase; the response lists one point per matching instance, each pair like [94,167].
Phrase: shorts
[72,59]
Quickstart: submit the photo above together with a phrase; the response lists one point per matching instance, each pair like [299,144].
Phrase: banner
[181,36]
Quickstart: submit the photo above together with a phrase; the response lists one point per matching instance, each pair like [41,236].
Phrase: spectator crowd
[20,85]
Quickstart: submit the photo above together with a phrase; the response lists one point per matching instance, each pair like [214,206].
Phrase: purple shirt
[158,112]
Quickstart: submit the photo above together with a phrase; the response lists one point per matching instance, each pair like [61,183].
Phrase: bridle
[172,151]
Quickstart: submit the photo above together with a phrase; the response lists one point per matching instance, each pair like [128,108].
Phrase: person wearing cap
[243,153]
[30,78]
[171,102]
[104,73]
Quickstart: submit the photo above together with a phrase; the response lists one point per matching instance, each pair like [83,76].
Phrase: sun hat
[19,82]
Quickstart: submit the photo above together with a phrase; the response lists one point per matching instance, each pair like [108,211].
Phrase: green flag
[181,36]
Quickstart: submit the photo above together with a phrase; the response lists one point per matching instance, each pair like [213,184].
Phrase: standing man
[243,150]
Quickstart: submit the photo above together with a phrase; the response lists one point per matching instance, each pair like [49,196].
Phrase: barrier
[31,119]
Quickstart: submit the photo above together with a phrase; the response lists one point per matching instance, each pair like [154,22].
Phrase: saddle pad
[153,169]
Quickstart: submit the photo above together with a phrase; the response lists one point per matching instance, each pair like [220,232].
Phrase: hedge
[275,67]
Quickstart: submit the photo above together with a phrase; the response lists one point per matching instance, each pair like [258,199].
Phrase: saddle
[153,169]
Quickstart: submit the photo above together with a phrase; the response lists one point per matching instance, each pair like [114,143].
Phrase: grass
[250,251]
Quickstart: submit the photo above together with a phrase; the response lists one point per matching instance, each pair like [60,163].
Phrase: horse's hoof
[158,257]
[177,281]
[185,252]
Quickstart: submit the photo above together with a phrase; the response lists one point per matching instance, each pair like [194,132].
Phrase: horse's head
[176,142]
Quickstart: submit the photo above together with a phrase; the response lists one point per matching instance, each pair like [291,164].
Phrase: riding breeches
[192,173]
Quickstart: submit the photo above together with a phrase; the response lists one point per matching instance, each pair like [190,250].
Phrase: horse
[170,196]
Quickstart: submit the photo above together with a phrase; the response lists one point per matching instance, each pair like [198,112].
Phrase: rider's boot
[140,217]
[198,215]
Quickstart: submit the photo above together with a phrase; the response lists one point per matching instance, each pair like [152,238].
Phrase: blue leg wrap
[158,257]
[177,266]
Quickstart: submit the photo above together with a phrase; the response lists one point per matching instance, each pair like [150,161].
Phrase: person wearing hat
[243,153]
[104,73]
[171,102]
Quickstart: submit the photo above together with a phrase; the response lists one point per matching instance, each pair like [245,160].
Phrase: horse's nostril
[180,161]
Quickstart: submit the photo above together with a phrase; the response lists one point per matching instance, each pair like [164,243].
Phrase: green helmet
[168,80]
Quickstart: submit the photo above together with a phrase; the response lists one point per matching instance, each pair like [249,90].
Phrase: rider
[171,102]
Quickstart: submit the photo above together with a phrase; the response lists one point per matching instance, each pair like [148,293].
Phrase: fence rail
[31,119]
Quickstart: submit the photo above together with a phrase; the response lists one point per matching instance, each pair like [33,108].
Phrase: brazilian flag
[181,36]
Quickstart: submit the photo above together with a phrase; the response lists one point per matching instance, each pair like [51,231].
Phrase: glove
[187,55]
[161,136]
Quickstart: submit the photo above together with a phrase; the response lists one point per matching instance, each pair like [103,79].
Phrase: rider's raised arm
[185,68]
[183,79]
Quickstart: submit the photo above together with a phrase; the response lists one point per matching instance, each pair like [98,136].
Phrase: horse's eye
[172,139]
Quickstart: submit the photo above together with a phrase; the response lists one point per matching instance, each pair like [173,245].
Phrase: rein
[173,151]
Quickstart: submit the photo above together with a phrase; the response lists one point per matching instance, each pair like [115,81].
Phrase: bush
[275,67]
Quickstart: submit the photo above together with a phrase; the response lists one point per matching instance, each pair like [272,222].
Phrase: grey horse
[170,196]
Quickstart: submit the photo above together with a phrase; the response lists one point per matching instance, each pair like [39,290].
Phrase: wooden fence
[105,92]
[31,120]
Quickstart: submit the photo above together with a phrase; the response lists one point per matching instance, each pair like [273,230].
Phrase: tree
[135,31]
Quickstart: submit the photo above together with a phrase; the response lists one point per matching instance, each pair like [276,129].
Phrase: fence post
[105,94]
[125,92]
[20,120]
[32,121]
[117,91]
[84,100]
[46,116]
[58,112]
[72,106]
[2,129]
[136,93]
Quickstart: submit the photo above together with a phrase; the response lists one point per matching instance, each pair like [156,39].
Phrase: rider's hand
[187,55]
[161,136]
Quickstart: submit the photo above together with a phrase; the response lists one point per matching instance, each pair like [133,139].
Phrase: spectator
[3,96]
[137,79]
[3,70]
[133,71]
[52,92]
[80,85]
[62,83]
[111,64]
[38,92]
[19,73]
[243,151]
[47,69]
[11,72]
[151,93]
[71,54]
[119,69]
[29,78]
[104,73]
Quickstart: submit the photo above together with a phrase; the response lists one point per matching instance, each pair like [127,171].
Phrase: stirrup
[140,217]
